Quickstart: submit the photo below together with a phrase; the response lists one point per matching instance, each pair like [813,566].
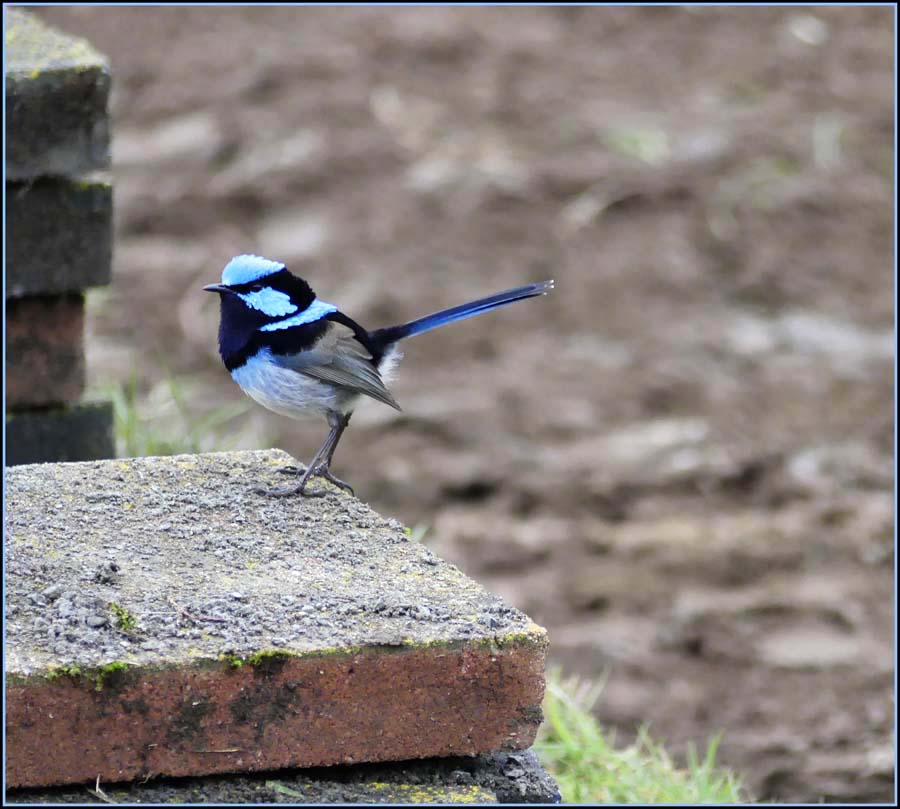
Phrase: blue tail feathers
[442,318]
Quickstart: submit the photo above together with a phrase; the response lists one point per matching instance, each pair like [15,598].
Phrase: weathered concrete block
[76,433]
[162,618]
[493,778]
[58,236]
[44,351]
[57,89]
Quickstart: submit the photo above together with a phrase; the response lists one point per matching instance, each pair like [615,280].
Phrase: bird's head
[264,288]
[261,304]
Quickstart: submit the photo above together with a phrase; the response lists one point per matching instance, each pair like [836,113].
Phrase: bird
[300,356]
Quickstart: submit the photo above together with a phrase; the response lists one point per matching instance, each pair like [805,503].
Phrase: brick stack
[164,620]
[59,239]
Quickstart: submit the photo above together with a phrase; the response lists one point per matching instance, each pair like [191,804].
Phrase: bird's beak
[216,288]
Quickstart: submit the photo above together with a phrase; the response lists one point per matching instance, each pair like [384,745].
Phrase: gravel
[198,565]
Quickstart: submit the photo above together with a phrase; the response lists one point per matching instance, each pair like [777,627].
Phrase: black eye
[256,288]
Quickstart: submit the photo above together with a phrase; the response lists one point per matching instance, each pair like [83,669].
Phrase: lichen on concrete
[33,48]
[57,90]
[201,569]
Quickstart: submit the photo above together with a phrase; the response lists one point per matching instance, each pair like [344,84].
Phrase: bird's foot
[290,491]
[301,489]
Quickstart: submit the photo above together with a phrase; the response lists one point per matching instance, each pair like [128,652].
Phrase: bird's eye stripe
[269,301]
[315,311]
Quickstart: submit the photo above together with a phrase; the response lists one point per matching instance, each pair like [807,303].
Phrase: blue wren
[300,356]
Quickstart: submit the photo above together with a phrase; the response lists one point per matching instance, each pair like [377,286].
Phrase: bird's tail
[394,333]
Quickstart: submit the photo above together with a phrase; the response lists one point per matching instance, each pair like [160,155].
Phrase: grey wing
[339,358]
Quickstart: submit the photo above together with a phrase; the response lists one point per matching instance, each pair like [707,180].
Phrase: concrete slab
[163,619]
[493,778]
[44,351]
[72,433]
[58,236]
[57,89]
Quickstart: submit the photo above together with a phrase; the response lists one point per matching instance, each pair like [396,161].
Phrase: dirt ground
[680,462]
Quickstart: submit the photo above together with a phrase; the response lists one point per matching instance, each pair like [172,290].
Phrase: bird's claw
[292,470]
[341,484]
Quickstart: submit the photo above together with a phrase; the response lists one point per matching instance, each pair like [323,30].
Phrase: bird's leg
[319,464]
[324,469]
[338,422]
[300,488]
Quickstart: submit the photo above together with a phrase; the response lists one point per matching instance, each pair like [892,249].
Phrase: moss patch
[124,620]
[233,661]
[112,675]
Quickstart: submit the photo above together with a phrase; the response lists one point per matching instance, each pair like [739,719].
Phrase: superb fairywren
[300,356]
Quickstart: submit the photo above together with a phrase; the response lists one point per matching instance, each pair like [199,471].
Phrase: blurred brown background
[679,462]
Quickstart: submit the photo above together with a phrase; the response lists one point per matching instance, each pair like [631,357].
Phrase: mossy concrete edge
[117,673]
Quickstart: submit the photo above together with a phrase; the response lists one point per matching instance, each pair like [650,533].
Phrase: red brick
[375,704]
[44,350]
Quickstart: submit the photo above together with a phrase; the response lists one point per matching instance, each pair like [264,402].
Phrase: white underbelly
[282,390]
[297,395]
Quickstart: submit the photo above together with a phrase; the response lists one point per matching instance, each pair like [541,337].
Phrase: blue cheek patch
[247,269]
[269,301]
[315,311]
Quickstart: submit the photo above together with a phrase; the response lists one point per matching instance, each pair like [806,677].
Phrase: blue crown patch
[248,268]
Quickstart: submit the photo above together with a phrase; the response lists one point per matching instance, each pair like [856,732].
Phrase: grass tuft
[418,532]
[170,429]
[589,768]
